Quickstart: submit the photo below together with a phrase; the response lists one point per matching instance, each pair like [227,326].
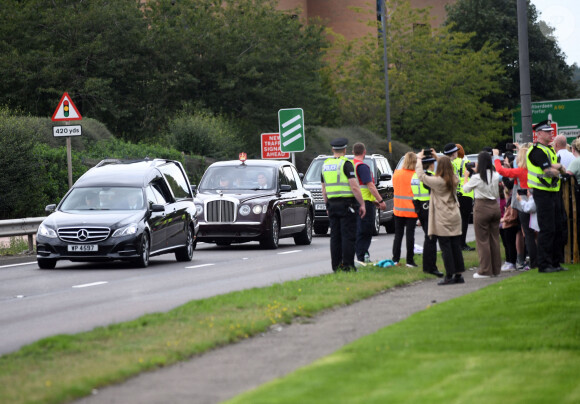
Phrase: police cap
[428,160]
[339,143]
[450,148]
[543,126]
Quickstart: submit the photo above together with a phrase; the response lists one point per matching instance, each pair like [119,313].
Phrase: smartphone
[522,191]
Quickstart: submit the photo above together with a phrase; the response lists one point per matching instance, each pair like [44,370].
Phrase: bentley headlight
[128,230]
[244,210]
[257,209]
[46,231]
[199,209]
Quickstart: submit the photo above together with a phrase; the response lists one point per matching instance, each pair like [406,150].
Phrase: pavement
[225,372]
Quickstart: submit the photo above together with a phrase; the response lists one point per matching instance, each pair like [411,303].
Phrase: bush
[19,171]
[205,134]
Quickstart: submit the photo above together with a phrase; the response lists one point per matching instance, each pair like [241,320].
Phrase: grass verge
[517,341]
[64,367]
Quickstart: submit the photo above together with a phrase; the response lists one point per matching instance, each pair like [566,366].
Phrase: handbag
[510,217]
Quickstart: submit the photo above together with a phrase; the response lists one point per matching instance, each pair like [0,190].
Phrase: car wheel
[305,236]
[272,237]
[186,253]
[377,228]
[390,226]
[46,263]
[320,228]
[143,260]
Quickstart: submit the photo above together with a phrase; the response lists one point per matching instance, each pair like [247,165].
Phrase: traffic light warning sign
[66,110]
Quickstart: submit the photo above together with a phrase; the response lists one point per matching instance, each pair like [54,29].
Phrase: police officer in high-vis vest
[373,200]
[544,180]
[344,202]
[421,197]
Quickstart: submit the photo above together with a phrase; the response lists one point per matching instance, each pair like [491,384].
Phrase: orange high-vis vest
[404,206]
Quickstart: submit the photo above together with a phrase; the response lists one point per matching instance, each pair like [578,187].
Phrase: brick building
[343,20]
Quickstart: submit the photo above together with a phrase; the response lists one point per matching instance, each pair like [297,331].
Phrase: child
[509,229]
[528,206]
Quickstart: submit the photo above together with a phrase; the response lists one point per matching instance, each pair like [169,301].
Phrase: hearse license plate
[83,247]
[320,206]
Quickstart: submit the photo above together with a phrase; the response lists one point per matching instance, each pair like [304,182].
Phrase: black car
[382,172]
[121,210]
[253,200]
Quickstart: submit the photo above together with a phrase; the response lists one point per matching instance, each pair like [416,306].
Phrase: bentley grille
[83,234]
[220,211]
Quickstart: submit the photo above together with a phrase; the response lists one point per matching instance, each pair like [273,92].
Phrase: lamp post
[383,5]
[524,57]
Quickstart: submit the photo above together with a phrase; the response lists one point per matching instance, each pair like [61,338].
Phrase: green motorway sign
[291,129]
[565,114]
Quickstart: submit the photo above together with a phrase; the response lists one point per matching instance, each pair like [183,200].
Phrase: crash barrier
[21,227]
[571,198]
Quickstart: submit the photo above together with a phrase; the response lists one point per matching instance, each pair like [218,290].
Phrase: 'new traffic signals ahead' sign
[291,129]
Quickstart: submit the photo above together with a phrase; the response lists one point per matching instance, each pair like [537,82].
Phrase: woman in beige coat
[444,215]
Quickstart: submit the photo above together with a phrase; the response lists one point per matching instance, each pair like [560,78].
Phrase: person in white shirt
[566,157]
[486,215]
[262,181]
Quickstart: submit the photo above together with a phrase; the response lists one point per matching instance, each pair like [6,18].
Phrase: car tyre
[272,236]
[46,263]
[143,260]
[320,228]
[305,236]
[185,253]
[377,228]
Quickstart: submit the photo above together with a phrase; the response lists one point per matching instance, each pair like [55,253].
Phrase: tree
[437,87]
[133,66]
[495,22]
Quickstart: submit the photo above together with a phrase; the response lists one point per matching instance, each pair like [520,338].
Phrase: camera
[427,152]
[522,191]
[510,146]
[470,166]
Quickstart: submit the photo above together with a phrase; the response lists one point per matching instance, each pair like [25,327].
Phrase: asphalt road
[77,297]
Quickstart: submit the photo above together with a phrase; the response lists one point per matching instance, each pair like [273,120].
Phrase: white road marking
[16,265]
[86,285]
[200,266]
[289,252]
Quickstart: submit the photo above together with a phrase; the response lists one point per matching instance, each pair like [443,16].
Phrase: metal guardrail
[21,227]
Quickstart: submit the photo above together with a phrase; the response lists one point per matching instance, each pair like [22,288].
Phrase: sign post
[67,111]
[291,129]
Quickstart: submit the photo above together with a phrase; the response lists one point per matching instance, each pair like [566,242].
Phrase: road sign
[271,147]
[291,129]
[564,114]
[69,130]
[66,110]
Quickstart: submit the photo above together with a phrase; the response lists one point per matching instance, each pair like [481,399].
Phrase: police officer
[544,178]
[344,201]
[421,197]
[465,199]
[372,199]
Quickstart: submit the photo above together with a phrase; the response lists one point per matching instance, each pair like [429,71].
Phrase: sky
[564,16]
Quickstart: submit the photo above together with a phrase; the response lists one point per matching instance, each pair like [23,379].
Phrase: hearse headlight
[46,231]
[128,230]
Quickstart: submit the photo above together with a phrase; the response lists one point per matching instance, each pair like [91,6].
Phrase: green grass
[517,341]
[64,367]
[16,245]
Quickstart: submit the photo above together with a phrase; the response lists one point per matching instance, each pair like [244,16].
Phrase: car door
[302,200]
[286,203]
[177,193]
[156,220]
